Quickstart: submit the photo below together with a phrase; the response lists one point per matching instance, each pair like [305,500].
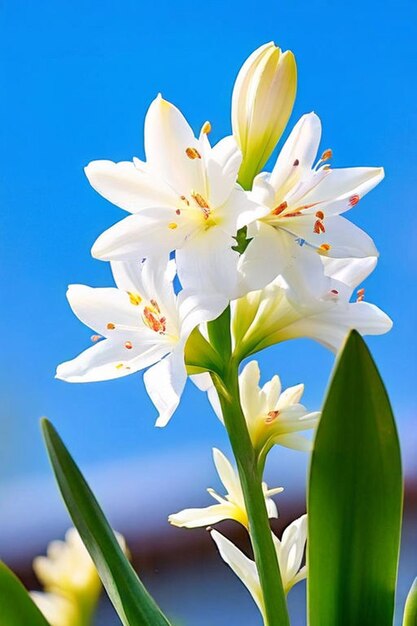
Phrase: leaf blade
[131,600]
[355,499]
[16,606]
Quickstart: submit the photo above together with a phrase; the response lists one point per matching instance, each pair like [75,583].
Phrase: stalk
[276,613]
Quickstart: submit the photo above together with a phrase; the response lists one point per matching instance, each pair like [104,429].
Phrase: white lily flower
[272,416]
[140,323]
[262,101]
[184,198]
[290,551]
[231,506]
[305,202]
[271,315]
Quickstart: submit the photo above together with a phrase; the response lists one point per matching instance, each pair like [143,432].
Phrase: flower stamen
[193,153]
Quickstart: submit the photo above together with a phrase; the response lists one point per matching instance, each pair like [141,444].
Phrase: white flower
[272,416]
[305,202]
[183,198]
[289,551]
[273,314]
[231,506]
[262,101]
[143,323]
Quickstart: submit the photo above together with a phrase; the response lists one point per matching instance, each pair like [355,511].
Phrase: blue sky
[77,79]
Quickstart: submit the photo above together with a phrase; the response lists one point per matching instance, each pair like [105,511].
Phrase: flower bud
[262,101]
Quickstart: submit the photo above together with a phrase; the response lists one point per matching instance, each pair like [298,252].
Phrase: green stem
[227,385]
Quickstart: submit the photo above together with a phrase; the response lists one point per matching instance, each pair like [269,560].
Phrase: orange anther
[193,153]
[279,209]
[319,227]
[110,326]
[327,154]
[320,215]
[128,345]
[354,200]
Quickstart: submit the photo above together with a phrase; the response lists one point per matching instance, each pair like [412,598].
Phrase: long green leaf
[132,602]
[355,499]
[16,606]
[410,610]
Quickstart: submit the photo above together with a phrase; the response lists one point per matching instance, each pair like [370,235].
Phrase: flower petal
[227,475]
[127,187]
[165,383]
[108,360]
[244,568]
[195,518]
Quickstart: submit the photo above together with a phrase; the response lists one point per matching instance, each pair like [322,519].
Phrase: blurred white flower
[184,198]
[290,551]
[140,323]
[262,101]
[273,416]
[305,202]
[325,314]
[231,506]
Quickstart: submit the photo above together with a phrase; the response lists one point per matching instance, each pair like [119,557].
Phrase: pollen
[325,247]
[354,200]
[320,215]
[153,320]
[327,154]
[193,153]
[206,128]
[155,306]
[134,298]
[95,338]
[178,212]
[200,200]
[272,416]
[184,199]
[172,225]
[296,162]
[128,345]
[334,292]
[319,227]
[280,208]
[110,326]
[119,366]
[360,295]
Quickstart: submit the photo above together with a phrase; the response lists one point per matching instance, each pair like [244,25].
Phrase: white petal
[264,258]
[227,475]
[148,233]
[250,396]
[244,568]
[194,518]
[301,146]
[291,395]
[108,360]
[97,307]
[294,441]
[335,191]
[351,272]
[165,383]
[196,307]
[208,263]
[127,187]
[167,137]
[292,546]
[223,164]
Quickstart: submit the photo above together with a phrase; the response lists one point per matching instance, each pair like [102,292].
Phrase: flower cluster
[206,228]
[215,261]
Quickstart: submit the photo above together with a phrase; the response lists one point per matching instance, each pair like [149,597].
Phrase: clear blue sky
[77,78]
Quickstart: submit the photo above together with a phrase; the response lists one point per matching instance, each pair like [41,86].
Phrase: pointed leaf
[410,610]
[132,602]
[355,499]
[16,606]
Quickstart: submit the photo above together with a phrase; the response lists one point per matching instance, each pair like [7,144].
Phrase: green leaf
[355,499]
[16,606]
[132,602]
[410,609]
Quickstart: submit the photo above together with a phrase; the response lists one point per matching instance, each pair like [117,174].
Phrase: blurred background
[77,78]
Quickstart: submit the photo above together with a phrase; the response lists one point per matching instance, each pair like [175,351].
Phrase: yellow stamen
[193,153]
[206,129]
[325,247]
[135,298]
[110,326]
[327,154]
[172,225]
[119,366]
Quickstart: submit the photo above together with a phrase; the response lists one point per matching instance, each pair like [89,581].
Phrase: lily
[262,101]
[231,506]
[274,314]
[183,198]
[272,416]
[289,550]
[140,323]
[305,201]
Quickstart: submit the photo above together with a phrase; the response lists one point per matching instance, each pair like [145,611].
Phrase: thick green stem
[227,385]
